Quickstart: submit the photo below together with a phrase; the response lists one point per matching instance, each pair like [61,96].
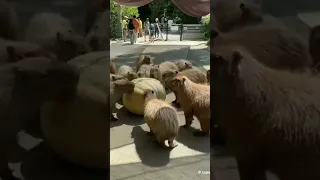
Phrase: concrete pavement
[133,154]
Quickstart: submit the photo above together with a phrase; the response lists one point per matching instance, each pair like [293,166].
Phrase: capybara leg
[205,128]
[189,118]
[249,170]
[171,143]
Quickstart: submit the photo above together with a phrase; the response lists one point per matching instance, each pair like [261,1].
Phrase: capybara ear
[242,6]
[152,92]
[183,79]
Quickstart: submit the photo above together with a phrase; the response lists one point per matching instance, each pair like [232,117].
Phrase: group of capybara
[34,68]
[265,94]
[188,83]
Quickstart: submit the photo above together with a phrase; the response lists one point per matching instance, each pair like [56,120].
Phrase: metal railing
[186,31]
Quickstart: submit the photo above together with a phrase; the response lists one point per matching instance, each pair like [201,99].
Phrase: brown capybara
[167,65]
[115,77]
[9,28]
[276,47]
[25,86]
[155,72]
[314,46]
[13,51]
[113,68]
[161,118]
[271,117]
[183,64]
[117,89]
[144,71]
[144,59]
[194,100]
[194,74]
[55,33]
[94,8]
[127,72]
[234,14]
[98,37]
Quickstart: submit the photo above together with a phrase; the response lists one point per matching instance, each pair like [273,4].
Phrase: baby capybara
[271,117]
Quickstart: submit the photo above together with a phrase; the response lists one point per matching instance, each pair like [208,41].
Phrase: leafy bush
[206,24]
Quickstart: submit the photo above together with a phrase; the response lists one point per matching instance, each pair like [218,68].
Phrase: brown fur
[183,64]
[56,34]
[194,100]
[161,118]
[98,36]
[25,86]
[144,71]
[144,59]
[117,89]
[9,28]
[155,72]
[275,47]
[314,46]
[167,65]
[127,72]
[234,14]
[113,68]
[271,117]
[115,77]
[194,74]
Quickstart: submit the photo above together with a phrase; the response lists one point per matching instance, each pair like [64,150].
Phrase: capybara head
[168,74]
[147,59]
[149,94]
[177,83]
[115,77]
[314,45]
[132,75]
[183,64]
[26,51]
[124,86]
[250,14]
[70,45]
[47,79]
[155,72]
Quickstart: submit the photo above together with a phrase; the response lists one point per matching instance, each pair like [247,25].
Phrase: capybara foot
[113,118]
[172,145]
[200,133]
[175,104]
[150,133]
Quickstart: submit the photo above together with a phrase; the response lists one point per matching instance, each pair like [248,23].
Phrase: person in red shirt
[136,27]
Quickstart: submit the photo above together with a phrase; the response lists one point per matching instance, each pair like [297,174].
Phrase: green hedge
[206,23]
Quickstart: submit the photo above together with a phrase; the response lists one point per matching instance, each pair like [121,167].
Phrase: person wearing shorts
[152,31]
[146,29]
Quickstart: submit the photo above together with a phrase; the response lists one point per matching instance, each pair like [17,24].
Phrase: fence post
[181,32]
[167,31]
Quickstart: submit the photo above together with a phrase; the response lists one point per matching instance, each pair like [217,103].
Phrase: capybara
[144,71]
[113,68]
[161,118]
[155,72]
[195,101]
[144,59]
[276,47]
[127,72]
[234,14]
[167,65]
[183,64]
[117,89]
[25,86]
[93,10]
[314,46]
[56,33]
[9,28]
[194,74]
[13,51]
[115,77]
[271,117]
[98,36]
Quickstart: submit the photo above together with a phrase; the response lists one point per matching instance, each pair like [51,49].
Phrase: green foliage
[115,30]
[130,11]
[206,24]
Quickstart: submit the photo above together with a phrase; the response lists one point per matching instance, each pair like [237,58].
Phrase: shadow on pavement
[186,137]
[148,151]
[126,117]
[41,163]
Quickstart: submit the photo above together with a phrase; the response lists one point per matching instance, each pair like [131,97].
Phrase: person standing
[131,30]
[140,27]
[152,32]
[125,28]
[156,24]
[136,27]
[146,30]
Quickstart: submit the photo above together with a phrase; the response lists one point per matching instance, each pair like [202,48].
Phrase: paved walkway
[133,155]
